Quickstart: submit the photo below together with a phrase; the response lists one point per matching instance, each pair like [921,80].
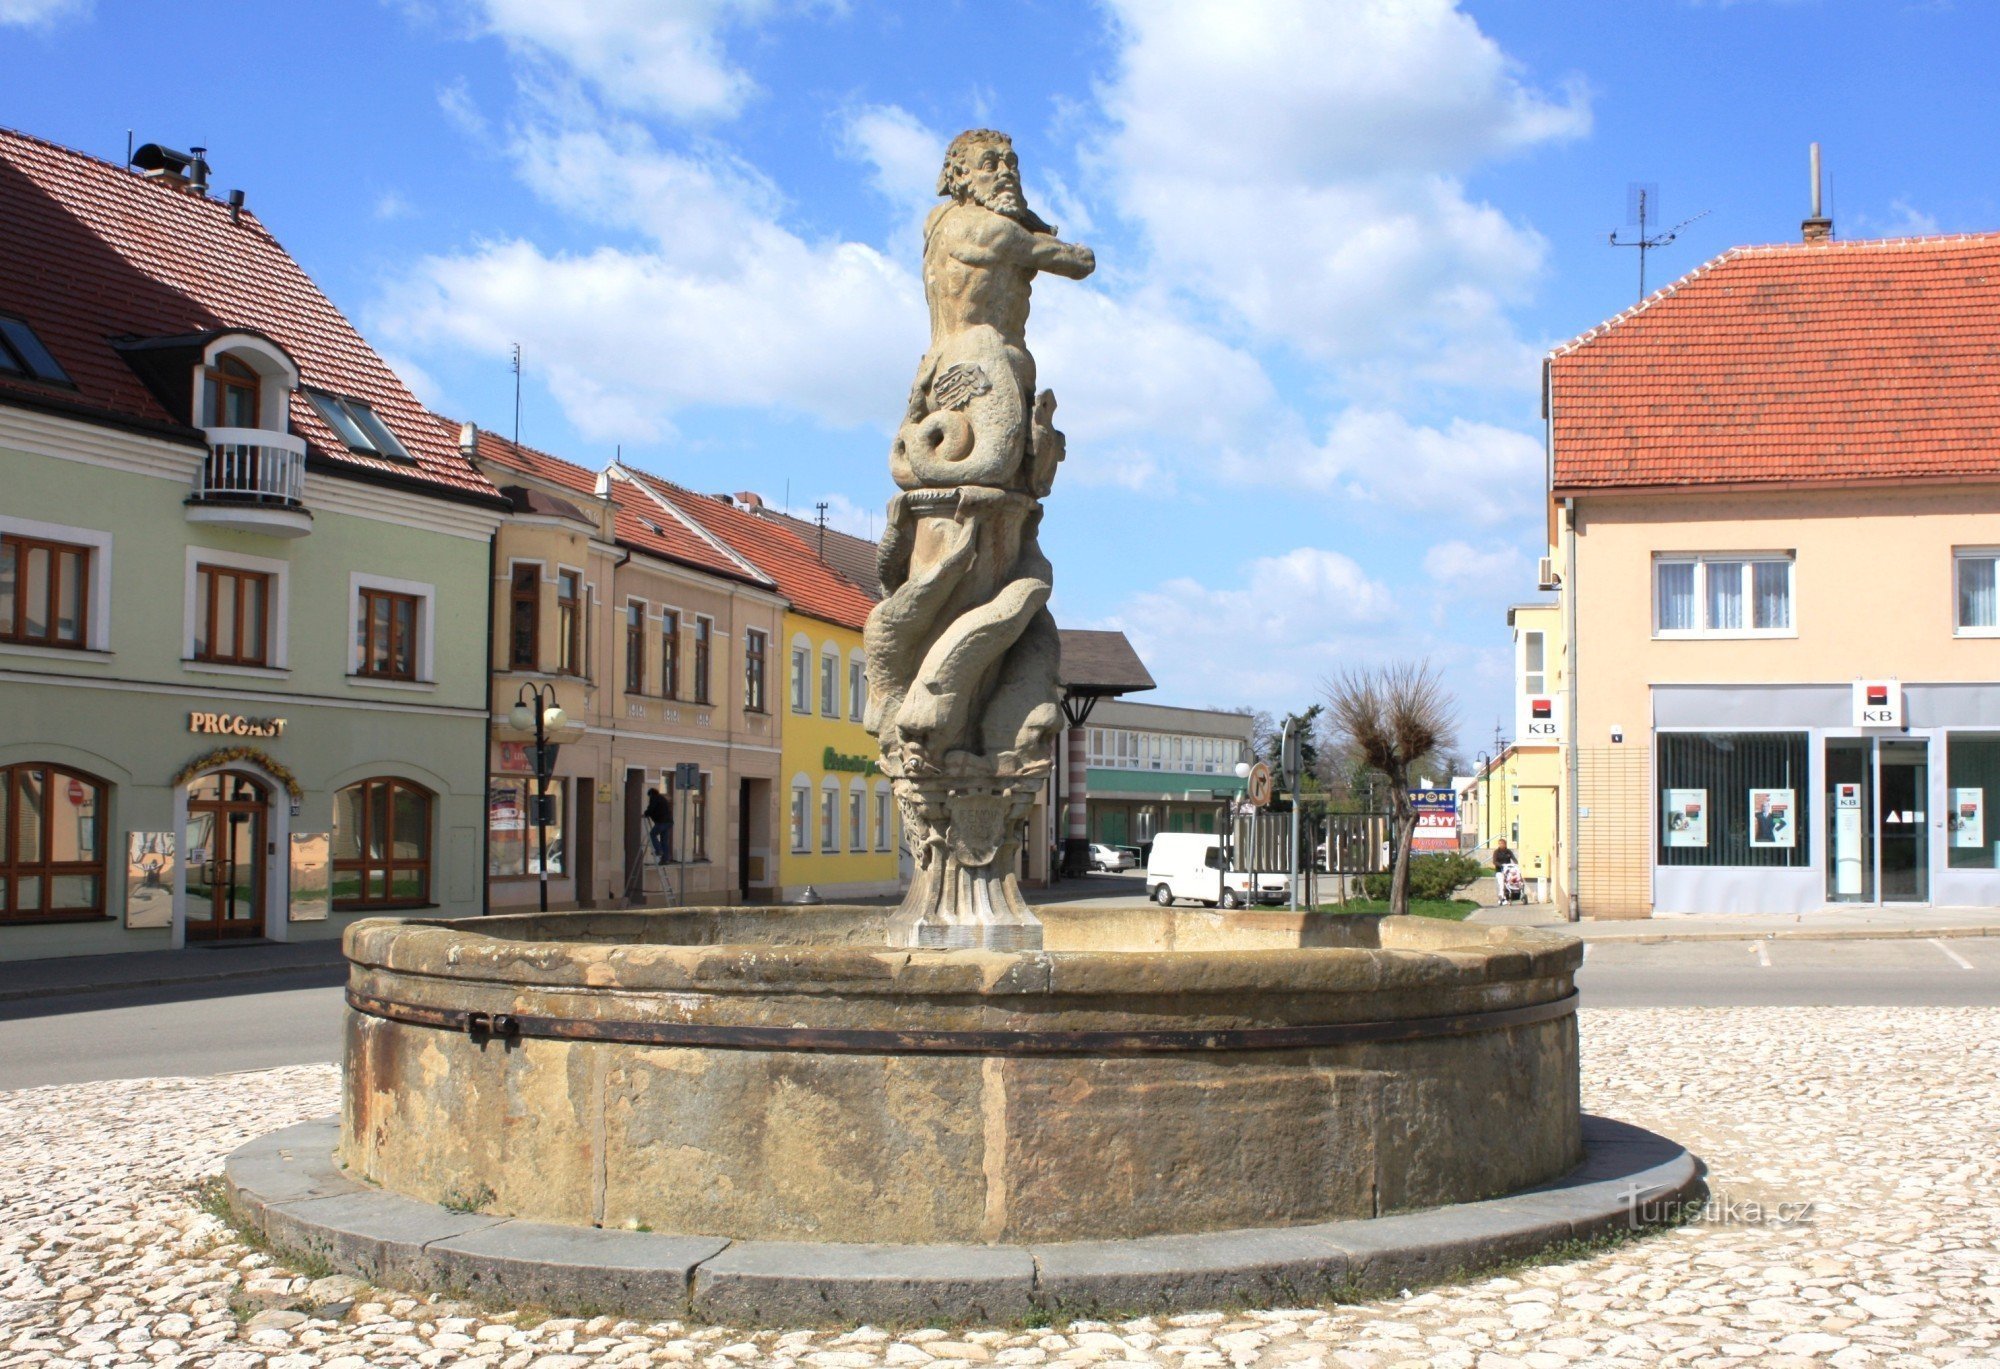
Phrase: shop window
[51,844]
[754,654]
[44,592]
[1978,593]
[801,679]
[829,822]
[381,845]
[1722,596]
[670,654]
[1735,799]
[635,646]
[857,690]
[801,818]
[386,633]
[232,615]
[569,622]
[704,646]
[524,618]
[1972,786]
[512,840]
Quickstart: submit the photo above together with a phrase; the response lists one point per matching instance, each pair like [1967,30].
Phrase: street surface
[294,1019]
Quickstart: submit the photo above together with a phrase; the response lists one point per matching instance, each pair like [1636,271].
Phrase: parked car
[1104,857]
[1195,866]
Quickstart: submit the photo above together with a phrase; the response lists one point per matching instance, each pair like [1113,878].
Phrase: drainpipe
[485,771]
[1569,645]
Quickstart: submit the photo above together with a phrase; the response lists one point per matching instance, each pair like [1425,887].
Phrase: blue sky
[1334,238]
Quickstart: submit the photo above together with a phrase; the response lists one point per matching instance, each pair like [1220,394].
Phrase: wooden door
[226,857]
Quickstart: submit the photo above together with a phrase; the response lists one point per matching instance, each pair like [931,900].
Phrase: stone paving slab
[289,1187]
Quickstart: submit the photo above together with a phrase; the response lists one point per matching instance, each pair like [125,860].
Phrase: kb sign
[1878,703]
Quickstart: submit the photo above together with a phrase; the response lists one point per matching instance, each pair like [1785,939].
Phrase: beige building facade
[651,636]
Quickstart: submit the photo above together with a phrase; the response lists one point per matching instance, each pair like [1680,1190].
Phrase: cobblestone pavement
[1886,1121]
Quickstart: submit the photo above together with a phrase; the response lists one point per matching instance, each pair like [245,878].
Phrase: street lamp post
[536,707]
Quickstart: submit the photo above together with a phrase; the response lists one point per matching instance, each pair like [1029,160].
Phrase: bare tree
[1394,717]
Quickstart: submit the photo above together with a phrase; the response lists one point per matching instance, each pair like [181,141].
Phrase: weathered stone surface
[773,1282]
[890,1140]
[1225,1268]
[380,1236]
[563,1267]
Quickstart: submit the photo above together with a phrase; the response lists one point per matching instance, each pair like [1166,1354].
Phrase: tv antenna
[1642,205]
[517,396]
[821,520]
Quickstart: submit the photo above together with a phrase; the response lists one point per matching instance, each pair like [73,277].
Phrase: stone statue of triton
[962,652]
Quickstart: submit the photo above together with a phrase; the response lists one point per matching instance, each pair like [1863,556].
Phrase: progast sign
[234,725]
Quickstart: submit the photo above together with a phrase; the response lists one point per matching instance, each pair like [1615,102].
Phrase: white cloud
[1461,568]
[40,14]
[390,206]
[454,98]
[902,151]
[658,56]
[1303,171]
[1904,220]
[1463,471]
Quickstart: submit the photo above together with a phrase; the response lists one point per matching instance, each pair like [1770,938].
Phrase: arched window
[232,395]
[51,844]
[381,845]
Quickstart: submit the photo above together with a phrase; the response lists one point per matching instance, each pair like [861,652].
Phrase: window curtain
[1725,596]
[1771,584]
[1977,592]
[1676,590]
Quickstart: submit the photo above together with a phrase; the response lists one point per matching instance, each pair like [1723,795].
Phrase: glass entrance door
[225,880]
[1850,828]
[1903,827]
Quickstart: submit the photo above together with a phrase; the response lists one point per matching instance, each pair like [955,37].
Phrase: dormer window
[357,425]
[22,354]
[232,395]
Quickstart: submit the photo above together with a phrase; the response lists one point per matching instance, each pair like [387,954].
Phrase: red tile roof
[640,522]
[90,251]
[814,588]
[1844,361]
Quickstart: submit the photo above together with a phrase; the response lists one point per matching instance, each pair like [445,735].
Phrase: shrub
[1437,875]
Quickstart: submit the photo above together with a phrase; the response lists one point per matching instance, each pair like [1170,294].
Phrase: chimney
[198,171]
[1818,227]
[235,206]
[468,440]
[749,500]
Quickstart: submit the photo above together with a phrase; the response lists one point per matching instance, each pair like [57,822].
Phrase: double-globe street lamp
[535,707]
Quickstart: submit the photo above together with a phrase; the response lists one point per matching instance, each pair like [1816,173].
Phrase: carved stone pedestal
[965,836]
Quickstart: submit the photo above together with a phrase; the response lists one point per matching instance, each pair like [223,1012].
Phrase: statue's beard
[1011,204]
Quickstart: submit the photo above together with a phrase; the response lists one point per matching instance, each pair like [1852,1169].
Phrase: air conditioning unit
[1545,574]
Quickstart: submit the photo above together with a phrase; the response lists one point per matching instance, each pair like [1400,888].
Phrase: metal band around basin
[508,1026]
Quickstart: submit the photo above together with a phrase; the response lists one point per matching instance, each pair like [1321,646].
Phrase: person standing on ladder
[660,817]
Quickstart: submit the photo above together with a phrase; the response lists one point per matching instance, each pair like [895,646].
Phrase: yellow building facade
[841,829]
[1520,794]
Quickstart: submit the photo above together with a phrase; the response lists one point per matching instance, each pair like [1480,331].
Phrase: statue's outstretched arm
[1059,258]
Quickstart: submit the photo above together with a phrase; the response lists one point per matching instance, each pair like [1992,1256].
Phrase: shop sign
[1539,720]
[860,765]
[1878,703]
[234,725]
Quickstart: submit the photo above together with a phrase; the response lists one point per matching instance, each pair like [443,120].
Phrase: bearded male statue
[962,652]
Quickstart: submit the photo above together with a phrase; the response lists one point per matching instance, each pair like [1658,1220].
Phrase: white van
[1193,865]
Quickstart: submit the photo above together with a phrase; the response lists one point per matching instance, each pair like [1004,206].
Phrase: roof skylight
[357,425]
[22,354]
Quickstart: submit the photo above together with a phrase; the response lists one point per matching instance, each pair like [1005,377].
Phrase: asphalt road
[294,1019]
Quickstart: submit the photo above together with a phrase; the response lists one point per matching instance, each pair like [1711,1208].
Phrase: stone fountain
[955,1108]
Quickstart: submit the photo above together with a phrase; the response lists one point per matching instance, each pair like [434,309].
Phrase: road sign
[1258,793]
[687,775]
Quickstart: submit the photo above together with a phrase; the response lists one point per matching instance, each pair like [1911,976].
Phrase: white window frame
[801,670]
[1542,674]
[279,626]
[829,681]
[97,630]
[800,816]
[426,596]
[1749,560]
[1959,556]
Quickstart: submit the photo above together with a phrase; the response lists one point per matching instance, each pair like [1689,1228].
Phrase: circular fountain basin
[784,1075]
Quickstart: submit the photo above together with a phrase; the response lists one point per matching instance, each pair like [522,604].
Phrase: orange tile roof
[640,522]
[1842,361]
[90,251]
[814,588]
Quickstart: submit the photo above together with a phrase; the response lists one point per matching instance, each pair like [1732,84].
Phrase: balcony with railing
[252,480]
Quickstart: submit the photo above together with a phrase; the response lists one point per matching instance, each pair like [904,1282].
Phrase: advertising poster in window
[312,892]
[1687,817]
[1968,818]
[1771,814]
[149,879]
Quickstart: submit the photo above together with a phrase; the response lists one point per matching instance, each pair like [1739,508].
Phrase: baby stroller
[1513,888]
